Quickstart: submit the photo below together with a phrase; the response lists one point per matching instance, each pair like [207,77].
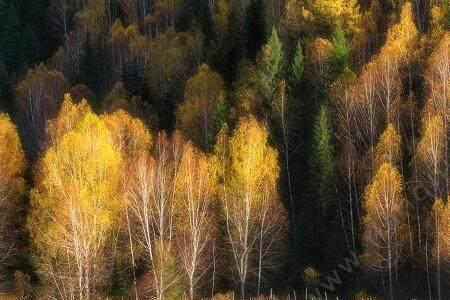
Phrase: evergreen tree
[316,212]
[221,117]
[271,66]
[133,78]
[297,66]
[322,160]
[255,28]
[340,53]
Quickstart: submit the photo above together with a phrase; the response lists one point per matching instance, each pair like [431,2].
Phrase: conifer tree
[340,52]
[297,66]
[271,66]
[322,159]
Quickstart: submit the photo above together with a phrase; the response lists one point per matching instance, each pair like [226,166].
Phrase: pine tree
[271,66]
[221,116]
[340,53]
[322,159]
[297,66]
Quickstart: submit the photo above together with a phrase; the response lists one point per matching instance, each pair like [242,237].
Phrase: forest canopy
[222,149]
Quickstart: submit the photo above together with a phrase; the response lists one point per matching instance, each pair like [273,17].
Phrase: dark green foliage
[322,159]
[221,116]
[340,54]
[133,78]
[297,67]
[271,66]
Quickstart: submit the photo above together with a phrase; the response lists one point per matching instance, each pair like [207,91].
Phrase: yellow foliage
[221,18]
[202,93]
[76,201]
[388,149]
[12,184]
[385,220]
[12,157]
[403,37]
[252,160]
[319,17]
[67,118]
[442,231]
[130,134]
[430,154]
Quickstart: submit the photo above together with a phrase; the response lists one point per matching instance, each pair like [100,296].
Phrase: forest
[224,149]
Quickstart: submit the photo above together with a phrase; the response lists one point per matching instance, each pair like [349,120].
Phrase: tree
[131,136]
[367,109]
[388,149]
[344,110]
[441,250]
[271,65]
[221,117]
[340,52]
[385,223]
[320,208]
[196,226]
[38,99]
[297,67]
[314,18]
[74,205]
[12,188]
[60,14]
[438,79]
[247,173]
[133,140]
[322,160]
[203,92]
[151,198]
[284,115]
[175,56]
[430,156]
[317,69]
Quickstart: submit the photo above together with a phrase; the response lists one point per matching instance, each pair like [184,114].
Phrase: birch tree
[152,203]
[74,207]
[385,223]
[247,176]
[12,187]
[196,229]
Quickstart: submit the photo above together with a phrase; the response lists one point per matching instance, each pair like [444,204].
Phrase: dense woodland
[173,149]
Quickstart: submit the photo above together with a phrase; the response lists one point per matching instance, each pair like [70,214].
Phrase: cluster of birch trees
[113,199]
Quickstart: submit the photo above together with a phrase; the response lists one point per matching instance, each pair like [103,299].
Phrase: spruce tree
[270,70]
[322,159]
[221,117]
[297,66]
[340,53]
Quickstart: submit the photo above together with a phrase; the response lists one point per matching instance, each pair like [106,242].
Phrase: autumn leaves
[111,197]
